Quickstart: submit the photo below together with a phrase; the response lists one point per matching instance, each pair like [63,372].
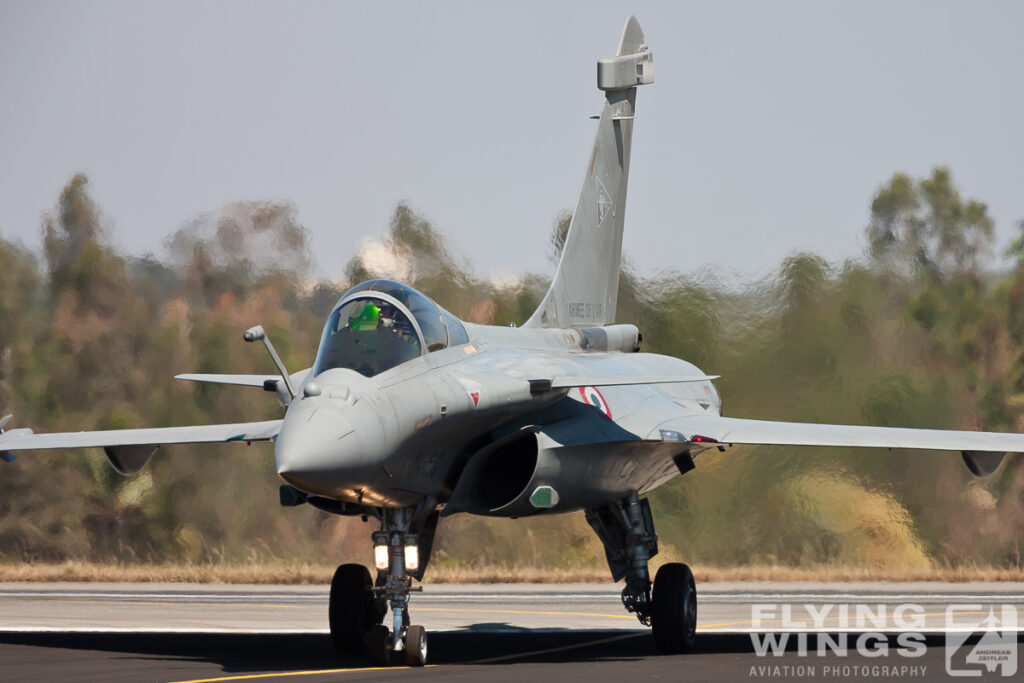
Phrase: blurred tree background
[921,332]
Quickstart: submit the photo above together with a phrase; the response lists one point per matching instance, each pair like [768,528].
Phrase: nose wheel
[380,642]
[351,613]
[416,646]
[380,646]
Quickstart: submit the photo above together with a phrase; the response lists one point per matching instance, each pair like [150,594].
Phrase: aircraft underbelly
[418,439]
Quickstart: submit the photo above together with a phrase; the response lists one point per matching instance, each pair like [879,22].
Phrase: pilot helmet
[367,319]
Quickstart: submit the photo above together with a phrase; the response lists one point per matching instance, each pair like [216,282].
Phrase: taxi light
[412,553]
[380,556]
[412,557]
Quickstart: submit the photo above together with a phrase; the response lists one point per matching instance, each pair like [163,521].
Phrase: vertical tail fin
[585,288]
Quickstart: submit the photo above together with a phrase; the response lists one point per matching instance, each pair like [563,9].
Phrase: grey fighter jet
[409,415]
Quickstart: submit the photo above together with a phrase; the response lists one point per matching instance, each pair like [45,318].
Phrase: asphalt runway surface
[175,632]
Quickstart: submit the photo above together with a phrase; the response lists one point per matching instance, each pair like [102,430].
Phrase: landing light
[380,556]
[380,550]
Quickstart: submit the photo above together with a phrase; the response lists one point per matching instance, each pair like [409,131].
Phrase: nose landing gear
[358,608]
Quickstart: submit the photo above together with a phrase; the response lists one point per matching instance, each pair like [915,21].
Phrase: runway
[176,632]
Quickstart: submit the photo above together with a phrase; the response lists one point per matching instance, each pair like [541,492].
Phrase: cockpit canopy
[380,324]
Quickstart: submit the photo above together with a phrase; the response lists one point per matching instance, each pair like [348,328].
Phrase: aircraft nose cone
[316,449]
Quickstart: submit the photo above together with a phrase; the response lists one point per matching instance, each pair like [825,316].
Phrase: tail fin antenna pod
[584,291]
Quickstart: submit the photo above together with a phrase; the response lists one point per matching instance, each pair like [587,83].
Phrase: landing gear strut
[626,528]
[397,585]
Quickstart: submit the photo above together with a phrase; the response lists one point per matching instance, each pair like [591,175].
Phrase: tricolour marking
[592,397]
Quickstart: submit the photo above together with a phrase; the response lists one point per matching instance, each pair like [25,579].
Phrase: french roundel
[592,397]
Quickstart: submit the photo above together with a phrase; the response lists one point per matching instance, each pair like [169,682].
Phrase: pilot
[388,314]
[381,337]
[396,340]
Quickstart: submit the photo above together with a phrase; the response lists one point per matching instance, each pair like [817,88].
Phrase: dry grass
[849,574]
[75,570]
[303,573]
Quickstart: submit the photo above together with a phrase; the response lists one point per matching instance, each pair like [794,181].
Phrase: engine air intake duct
[529,473]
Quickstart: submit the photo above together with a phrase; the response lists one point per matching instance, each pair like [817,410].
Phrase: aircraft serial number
[585,310]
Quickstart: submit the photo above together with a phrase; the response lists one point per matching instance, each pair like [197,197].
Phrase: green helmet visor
[367,320]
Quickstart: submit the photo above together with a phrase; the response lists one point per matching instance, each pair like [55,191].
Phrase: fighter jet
[409,414]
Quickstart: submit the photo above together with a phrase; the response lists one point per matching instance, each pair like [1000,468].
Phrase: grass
[304,573]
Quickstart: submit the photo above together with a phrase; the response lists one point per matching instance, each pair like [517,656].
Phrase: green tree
[929,226]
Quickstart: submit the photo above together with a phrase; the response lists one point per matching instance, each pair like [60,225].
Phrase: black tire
[674,609]
[350,613]
[416,646]
[378,645]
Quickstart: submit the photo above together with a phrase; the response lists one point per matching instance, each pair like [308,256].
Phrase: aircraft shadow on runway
[284,652]
[265,653]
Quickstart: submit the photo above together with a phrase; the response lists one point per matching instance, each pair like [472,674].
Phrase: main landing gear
[626,528]
[402,547]
[358,606]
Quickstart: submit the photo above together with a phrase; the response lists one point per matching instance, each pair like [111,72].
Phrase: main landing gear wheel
[378,645]
[674,609]
[416,646]
[350,608]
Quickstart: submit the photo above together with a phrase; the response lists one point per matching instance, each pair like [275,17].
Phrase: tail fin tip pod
[584,291]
